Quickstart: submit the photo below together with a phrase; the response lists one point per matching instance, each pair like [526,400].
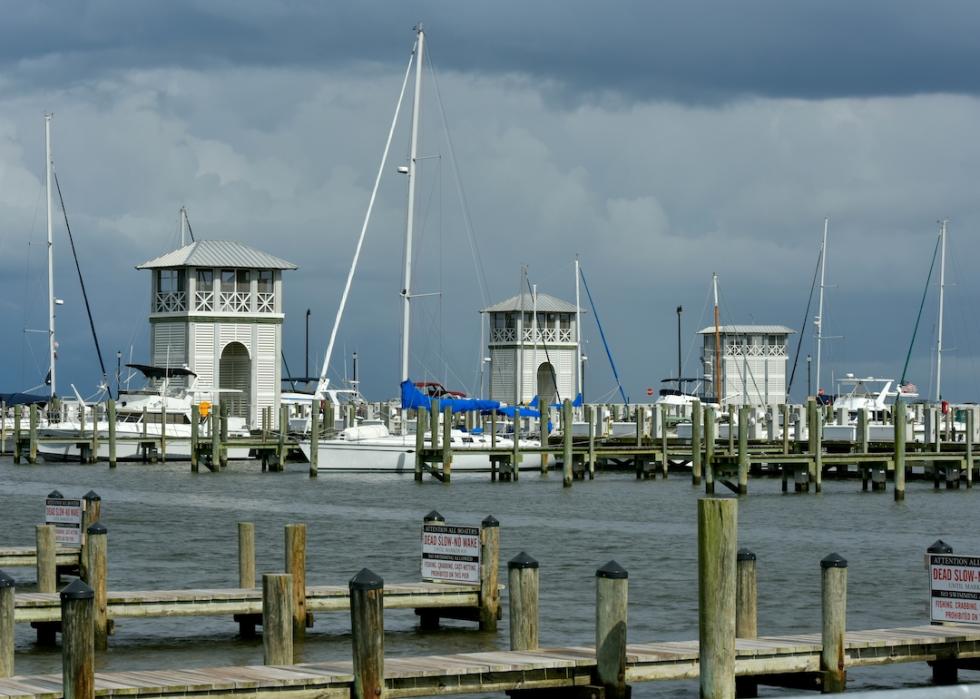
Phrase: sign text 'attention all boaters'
[954,583]
[66,516]
[450,554]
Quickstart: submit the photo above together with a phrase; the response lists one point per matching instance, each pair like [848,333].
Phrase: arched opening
[547,390]
[235,377]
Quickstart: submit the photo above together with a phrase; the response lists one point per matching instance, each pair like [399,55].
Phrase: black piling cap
[490,521]
[55,494]
[834,560]
[6,580]
[92,496]
[97,528]
[77,590]
[613,571]
[521,561]
[366,580]
[939,546]
[744,555]
[434,516]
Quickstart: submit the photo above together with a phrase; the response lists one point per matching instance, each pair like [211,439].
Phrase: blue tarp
[577,403]
[12,399]
[413,398]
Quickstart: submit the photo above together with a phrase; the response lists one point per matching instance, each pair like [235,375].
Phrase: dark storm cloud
[683,50]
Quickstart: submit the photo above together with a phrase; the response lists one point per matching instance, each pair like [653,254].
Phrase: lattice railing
[265,302]
[204,300]
[236,302]
[755,351]
[170,302]
[503,335]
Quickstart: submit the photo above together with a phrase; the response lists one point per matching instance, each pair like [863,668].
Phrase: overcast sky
[660,142]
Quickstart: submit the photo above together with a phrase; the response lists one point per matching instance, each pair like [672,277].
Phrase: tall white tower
[533,349]
[216,308]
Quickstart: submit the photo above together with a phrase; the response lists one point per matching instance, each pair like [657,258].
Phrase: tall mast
[716,369]
[183,225]
[680,309]
[407,284]
[49,168]
[942,291]
[819,319]
[519,375]
[578,334]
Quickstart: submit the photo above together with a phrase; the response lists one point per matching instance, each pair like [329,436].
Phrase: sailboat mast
[716,369]
[49,168]
[819,320]
[407,284]
[942,291]
[183,225]
[578,334]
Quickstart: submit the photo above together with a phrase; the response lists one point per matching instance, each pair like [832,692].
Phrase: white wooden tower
[753,363]
[533,349]
[216,309]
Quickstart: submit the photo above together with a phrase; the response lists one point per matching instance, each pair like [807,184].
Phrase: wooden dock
[26,557]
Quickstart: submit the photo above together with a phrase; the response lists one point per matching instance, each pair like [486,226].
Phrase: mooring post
[47,567]
[215,437]
[566,436]
[367,635]
[7,625]
[493,429]
[611,592]
[163,434]
[283,433]
[195,435]
[98,570]
[314,437]
[515,458]
[784,412]
[544,417]
[434,425]
[663,440]
[746,613]
[862,427]
[522,580]
[709,450]
[489,565]
[696,461]
[296,566]
[717,537]
[447,444]
[278,612]
[969,447]
[833,586]
[590,421]
[32,453]
[78,641]
[743,449]
[91,513]
[17,446]
[246,555]
[419,441]
[898,411]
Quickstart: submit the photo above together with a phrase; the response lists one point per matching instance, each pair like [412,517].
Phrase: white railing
[170,302]
[204,300]
[503,335]
[755,351]
[543,335]
[236,302]
[265,301]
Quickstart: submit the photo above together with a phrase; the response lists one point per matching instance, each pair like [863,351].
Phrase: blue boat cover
[12,399]
[413,398]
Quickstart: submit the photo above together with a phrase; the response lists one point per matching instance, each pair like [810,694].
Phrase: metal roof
[546,304]
[749,330]
[217,253]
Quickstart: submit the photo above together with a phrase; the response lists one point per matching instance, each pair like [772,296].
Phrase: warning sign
[450,553]
[954,583]
[66,516]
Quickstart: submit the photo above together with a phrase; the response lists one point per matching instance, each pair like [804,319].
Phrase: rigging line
[806,315]
[292,383]
[602,334]
[468,223]
[692,346]
[918,317]
[547,357]
[81,282]
[187,220]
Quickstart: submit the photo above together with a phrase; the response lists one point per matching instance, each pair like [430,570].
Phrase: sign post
[450,553]
[66,516]
[954,584]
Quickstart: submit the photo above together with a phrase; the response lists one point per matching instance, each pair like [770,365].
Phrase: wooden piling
[696,456]
[163,434]
[447,444]
[489,566]
[195,435]
[91,513]
[640,422]
[215,438]
[110,412]
[833,586]
[246,555]
[566,420]
[969,446]
[7,627]
[419,442]
[522,590]
[612,587]
[223,412]
[663,440]
[730,419]
[784,411]
[94,453]
[32,449]
[493,429]
[283,433]
[898,412]
[717,536]
[434,424]
[746,613]
[78,641]
[544,413]
[367,635]
[743,449]
[314,437]
[709,450]
[98,569]
[515,457]
[17,431]
[862,429]
[590,421]
[278,613]
[296,566]
[3,427]
[47,567]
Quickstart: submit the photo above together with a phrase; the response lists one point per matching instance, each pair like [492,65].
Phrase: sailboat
[369,445]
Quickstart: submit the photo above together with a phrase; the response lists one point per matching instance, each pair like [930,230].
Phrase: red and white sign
[954,583]
[450,553]
[66,516]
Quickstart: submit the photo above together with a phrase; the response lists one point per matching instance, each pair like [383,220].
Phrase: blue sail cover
[413,398]
[12,399]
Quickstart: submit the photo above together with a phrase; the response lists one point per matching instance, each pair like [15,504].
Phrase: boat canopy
[412,397]
[161,372]
[12,399]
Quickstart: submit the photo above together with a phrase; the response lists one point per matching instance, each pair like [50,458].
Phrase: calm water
[169,528]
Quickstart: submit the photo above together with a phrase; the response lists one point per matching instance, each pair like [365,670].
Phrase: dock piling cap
[96,528]
[521,561]
[77,590]
[55,494]
[434,516]
[92,496]
[939,546]
[613,571]
[744,555]
[6,580]
[366,580]
[834,560]
[490,521]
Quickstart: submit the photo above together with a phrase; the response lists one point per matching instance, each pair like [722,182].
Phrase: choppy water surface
[169,528]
